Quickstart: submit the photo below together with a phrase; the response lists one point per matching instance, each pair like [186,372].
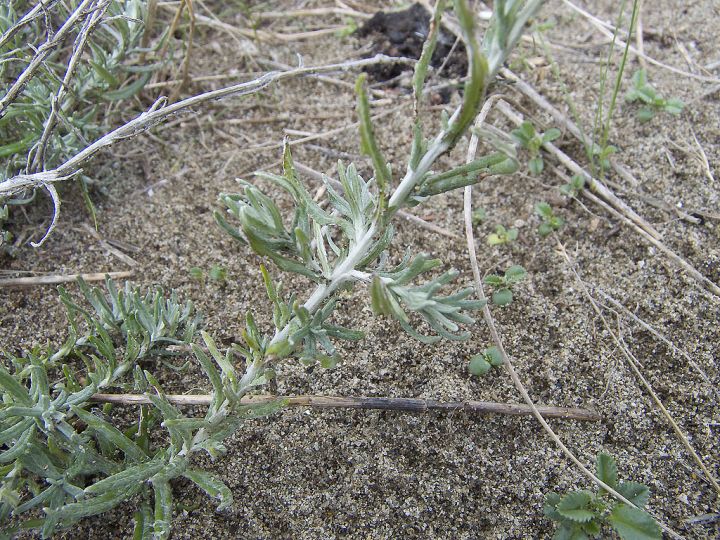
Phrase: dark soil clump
[402,33]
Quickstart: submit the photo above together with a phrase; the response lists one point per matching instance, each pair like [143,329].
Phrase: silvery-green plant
[65,458]
[348,243]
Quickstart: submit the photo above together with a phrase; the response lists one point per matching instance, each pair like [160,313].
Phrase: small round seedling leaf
[494,280]
[493,356]
[549,509]
[544,229]
[217,273]
[674,106]
[502,297]
[606,469]
[478,365]
[636,493]
[478,216]
[515,274]
[575,506]
[495,240]
[645,114]
[550,135]
[536,165]
[328,362]
[196,273]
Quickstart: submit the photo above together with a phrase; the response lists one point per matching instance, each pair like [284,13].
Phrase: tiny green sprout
[551,222]
[502,285]
[651,101]
[574,187]
[478,216]
[526,137]
[347,30]
[218,273]
[481,363]
[583,514]
[196,273]
[502,236]
[601,155]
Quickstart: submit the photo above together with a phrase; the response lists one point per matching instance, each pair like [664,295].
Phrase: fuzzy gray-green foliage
[64,457]
[347,241]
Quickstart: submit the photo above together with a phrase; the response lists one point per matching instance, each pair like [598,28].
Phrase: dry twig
[373,403]
[64,278]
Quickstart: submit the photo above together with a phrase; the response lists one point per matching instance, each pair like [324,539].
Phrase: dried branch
[369,403]
[159,111]
[84,9]
[66,278]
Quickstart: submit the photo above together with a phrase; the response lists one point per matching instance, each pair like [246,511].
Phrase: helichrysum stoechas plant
[66,460]
[347,244]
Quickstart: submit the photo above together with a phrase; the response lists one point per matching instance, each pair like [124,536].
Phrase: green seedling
[651,101]
[218,273]
[347,30]
[551,222]
[584,514]
[481,363]
[502,236]
[574,187]
[601,155]
[478,216]
[197,273]
[531,140]
[502,285]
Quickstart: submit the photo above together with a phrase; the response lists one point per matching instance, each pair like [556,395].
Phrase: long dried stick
[64,278]
[374,403]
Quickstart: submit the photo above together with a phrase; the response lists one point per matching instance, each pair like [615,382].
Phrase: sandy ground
[309,474]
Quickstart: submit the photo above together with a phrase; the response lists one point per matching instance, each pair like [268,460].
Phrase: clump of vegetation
[65,459]
[528,138]
[584,514]
[483,362]
[550,221]
[502,284]
[651,102]
[70,459]
[574,187]
[502,236]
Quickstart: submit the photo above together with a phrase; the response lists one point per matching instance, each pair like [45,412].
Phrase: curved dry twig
[159,111]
